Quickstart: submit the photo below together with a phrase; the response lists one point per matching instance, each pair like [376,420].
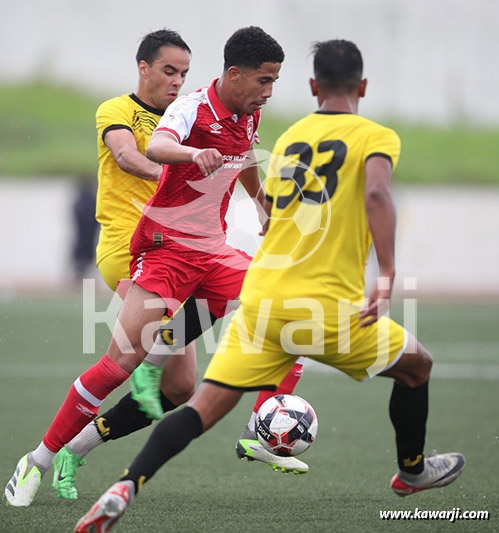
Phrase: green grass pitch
[206,489]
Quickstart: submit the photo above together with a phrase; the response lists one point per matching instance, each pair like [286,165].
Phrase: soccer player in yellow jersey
[127,180]
[331,176]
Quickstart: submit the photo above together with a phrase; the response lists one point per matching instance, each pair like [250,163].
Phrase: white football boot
[248,446]
[23,485]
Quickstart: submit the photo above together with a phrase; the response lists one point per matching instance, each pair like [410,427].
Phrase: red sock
[83,401]
[286,387]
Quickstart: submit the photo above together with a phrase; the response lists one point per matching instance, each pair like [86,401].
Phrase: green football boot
[66,464]
[146,389]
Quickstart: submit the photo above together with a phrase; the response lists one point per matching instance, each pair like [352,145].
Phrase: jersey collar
[332,113]
[219,110]
[147,107]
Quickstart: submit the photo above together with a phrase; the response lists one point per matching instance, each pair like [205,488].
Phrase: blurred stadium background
[432,77]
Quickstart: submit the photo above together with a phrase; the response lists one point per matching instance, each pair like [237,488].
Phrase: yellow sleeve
[383,142]
[111,115]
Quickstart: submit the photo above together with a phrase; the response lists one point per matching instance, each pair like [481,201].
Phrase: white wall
[36,231]
[425,60]
[447,237]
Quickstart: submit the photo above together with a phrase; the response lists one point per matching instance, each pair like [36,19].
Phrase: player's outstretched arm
[381,219]
[122,144]
[250,180]
[163,148]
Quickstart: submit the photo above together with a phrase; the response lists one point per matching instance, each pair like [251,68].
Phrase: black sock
[126,417]
[166,404]
[408,413]
[189,319]
[170,436]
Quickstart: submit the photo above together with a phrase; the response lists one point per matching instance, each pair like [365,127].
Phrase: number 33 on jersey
[318,230]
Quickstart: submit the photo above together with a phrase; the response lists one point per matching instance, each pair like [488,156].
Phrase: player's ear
[313,86]
[362,88]
[234,73]
[143,69]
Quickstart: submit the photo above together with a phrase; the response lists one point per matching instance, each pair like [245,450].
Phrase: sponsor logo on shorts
[140,267]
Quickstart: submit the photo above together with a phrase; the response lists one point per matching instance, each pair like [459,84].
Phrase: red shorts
[175,277]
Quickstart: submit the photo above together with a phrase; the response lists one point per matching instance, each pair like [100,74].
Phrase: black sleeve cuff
[116,127]
[379,154]
[269,198]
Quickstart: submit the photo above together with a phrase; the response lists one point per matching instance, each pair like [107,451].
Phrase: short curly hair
[152,42]
[337,65]
[250,47]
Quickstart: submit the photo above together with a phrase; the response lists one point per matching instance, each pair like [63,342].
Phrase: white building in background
[432,61]
[446,238]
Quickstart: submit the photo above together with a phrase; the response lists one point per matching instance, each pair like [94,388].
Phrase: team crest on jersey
[250,128]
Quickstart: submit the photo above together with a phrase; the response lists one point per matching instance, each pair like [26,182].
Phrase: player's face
[253,87]
[163,79]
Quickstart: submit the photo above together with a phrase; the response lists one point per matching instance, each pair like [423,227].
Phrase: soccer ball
[286,425]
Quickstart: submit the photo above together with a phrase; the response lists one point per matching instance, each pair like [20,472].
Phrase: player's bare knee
[130,359]
[420,372]
[425,364]
[213,402]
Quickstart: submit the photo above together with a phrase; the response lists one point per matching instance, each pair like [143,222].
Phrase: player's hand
[378,302]
[265,228]
[264,215]
[264,220]
[208,160]
[158,173]
[257,138]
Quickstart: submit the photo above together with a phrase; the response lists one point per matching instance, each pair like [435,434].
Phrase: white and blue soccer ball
[286,425]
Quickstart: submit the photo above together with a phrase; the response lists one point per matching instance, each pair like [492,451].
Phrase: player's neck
[144,97]
[342,104]
[224,95]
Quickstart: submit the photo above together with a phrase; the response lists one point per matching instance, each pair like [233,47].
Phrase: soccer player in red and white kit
[158,386]
[179,246]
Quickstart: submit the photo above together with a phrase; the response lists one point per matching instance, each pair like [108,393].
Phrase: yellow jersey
[318,238]
[115,207]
